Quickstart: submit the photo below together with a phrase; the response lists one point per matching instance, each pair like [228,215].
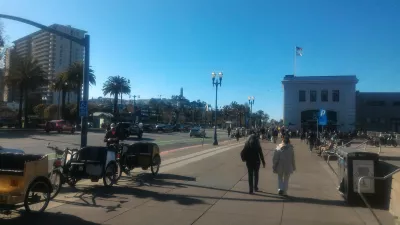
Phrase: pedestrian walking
[283,164]
[311,140]
[253,156]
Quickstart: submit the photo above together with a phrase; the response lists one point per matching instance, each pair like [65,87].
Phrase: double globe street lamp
[216,82]
[251,103]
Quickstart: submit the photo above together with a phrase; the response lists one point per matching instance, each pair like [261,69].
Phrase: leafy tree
[39,110]
[75,81]
[51,112]
[63,85]
[26,74]
[116,85]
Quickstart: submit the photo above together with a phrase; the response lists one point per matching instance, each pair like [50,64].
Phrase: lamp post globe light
[216,81]
[251,103]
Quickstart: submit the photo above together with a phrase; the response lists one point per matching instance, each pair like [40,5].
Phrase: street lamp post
[158,108]
[134,105]
[44,99]
[251,103]
[215,83]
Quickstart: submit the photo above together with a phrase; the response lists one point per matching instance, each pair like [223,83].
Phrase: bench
[14,163]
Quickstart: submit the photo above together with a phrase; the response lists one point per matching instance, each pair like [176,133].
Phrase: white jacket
[283,161]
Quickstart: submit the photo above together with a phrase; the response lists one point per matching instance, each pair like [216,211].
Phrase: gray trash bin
[354,164]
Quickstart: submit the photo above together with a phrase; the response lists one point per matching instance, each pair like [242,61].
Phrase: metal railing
[363,197]
[339,156]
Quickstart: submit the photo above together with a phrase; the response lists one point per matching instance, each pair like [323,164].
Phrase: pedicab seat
[92,155]
[14,163]
[140,148]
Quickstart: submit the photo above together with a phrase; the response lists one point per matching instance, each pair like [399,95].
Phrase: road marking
[191,158]
[179,149]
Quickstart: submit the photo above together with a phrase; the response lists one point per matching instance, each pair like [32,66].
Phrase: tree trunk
[21,99]
[78,100]
[64,93]
[116,104]
[26,109]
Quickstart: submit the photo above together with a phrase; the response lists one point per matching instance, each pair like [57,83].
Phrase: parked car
[9,122]
[149,128]
[164,128]
[197,132]
[59,126]
[124,129]
[135,129]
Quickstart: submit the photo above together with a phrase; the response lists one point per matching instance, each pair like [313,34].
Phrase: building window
[335,95]
[324,95]
[313,96]
[375,103]
[396,103]
[302,96]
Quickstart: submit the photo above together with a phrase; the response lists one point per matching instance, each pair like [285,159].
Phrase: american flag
[299,51]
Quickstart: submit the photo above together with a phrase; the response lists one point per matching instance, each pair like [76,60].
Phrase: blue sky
[167,44]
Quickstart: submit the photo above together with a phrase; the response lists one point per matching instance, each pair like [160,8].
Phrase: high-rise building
[10,94]
[1,84]
[181,91]
[54,53]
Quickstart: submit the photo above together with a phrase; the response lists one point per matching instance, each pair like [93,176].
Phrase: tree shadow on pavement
[162,181]
[45,218]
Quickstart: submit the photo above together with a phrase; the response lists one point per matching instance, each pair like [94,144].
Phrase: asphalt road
[35,141]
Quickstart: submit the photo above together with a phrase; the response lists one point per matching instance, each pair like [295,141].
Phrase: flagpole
[294,71]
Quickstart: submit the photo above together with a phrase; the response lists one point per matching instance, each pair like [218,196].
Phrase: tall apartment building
[9,94]
[1,84]
[54,53]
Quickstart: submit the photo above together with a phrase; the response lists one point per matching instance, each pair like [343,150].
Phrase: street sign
[83,108]
[322,119]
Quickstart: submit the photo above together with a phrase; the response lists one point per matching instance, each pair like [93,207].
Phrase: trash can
[353,164]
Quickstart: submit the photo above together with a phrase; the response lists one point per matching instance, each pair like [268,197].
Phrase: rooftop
[51,26]
[339,78]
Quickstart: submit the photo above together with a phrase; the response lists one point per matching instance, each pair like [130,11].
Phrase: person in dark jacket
[311,140]
[253,156]
[112,136]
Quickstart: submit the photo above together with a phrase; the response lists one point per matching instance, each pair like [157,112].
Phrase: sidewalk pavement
[211,191]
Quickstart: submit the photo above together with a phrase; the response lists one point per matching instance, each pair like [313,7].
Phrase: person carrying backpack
[253,155]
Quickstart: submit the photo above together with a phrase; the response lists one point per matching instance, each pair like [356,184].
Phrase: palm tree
[62,85]
[75,80]
[26,74]
[116,85]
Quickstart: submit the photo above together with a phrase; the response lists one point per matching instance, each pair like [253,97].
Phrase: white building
[54,53]
[304,96]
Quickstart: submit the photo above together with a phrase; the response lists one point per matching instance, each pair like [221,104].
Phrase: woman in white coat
[284,164]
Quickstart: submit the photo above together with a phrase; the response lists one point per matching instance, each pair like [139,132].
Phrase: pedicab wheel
[37,196]
[55,179]
[155,165]
[111,174]
[119,170]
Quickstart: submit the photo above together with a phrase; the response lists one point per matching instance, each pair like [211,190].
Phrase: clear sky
[164,45]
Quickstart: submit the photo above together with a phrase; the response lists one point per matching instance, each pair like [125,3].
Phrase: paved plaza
[208,185]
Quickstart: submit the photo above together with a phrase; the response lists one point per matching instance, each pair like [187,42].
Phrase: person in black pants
[253,156]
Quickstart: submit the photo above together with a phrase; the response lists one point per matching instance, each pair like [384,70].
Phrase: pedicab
[143,155]
[23,181]
[92,163]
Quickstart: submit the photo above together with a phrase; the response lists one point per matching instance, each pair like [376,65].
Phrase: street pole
[251,103]
[216,82]
[215,119]
[85,98]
